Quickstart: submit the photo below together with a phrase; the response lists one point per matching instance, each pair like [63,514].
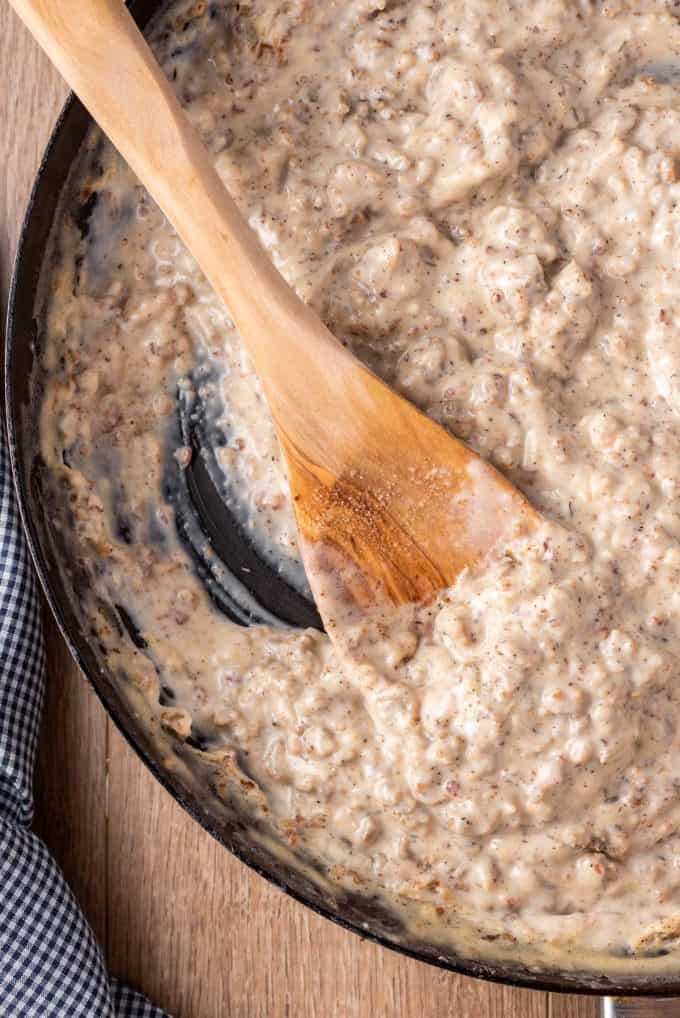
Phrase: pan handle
[640,1007]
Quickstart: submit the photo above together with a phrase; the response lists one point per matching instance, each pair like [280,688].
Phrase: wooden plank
[560,1006]
[30,97]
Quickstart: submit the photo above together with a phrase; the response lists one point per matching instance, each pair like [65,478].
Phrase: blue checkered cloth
[50,963]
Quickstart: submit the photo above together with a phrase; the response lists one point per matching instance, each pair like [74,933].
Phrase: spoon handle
[641,1007]
[104,57]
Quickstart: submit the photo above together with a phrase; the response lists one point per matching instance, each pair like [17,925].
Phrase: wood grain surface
[176,914]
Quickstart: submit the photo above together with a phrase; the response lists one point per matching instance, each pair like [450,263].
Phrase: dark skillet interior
[206,524]
[198,505]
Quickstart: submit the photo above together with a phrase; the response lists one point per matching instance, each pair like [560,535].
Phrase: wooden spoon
[389,506]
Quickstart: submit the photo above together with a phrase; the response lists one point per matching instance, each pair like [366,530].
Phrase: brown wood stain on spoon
[387,502]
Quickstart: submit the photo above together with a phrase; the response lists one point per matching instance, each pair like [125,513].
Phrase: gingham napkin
[50,963]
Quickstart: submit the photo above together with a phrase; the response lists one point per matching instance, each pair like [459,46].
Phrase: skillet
[201,514]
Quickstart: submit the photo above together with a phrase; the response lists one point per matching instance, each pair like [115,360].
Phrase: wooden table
[178,916]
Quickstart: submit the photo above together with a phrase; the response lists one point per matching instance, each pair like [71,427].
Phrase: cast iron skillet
[199,506]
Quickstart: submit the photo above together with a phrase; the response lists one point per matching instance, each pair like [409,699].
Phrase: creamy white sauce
[481,201]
